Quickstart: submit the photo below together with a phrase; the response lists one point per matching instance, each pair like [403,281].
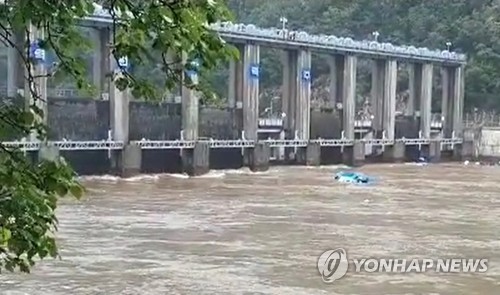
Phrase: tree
[471,26]
[146,32]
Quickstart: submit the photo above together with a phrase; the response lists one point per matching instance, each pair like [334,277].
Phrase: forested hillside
[473,27]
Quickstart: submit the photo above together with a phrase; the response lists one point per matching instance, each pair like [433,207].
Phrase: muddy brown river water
[234,232]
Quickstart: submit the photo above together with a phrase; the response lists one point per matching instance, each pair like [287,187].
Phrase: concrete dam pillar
[251,73]
[243,92]
[453,80]
[343,71]
[297,93]
[383,94]
[15,66]
[127,162]
[39,71]
[421,76]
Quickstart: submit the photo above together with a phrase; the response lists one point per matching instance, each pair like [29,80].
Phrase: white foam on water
[213,174]
[142,177]
[178,175]
[108,178]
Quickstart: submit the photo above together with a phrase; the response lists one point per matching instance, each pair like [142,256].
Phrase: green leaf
[76,190]
[5,235]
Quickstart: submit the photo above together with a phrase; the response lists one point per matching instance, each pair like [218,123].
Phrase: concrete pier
[421,76]
[395,153]
[389,111]
[196,161]
[383,93]
[251,75]
[349,96]
[190,105]
[310,155]
[426,100]
[127,162]
[435,151]
[235,84]
[48,153]
[354,155]
[377,95]
[39,84]
[130,161]
[458,101]
[259,157]
[464,151]
[15,66]
[336,64]
[452,100]
[297,93]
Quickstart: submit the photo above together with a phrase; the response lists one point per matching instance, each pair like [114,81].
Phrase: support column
[39,85]
[48,153]
[235,92]
[289,92]
[251,73]
[389,112]
[426,99]
[448,90]
[297,93]
[354,155]
[336,63]
[458,101]
[377,95]
[395,153]
[303,95]
[413,89]
[127,162]
[196,161]
[118,100]
[189,106]
[231,92]
[435,151]
[15,74]
[259,157]
[421,96]
[235,87]
[349,96]
[453,80]
[310,155]
[130,161]
[98,59]
[464,151]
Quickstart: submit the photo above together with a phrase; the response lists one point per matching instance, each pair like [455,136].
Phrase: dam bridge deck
[217,143]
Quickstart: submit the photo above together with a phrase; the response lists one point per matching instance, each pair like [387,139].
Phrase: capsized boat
[352,177]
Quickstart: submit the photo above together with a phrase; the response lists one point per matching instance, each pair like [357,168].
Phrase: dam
[123,135]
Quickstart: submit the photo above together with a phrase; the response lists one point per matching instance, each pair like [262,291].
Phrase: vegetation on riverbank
[473,27]
[29,190]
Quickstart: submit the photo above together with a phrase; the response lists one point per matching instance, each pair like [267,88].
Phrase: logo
[332,265]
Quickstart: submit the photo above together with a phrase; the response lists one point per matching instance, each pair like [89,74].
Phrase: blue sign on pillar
[306,75]
[254,72]
[123,63]
[192,72]
[36,52]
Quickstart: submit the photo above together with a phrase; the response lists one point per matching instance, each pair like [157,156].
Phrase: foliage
[29,189]
[473,27]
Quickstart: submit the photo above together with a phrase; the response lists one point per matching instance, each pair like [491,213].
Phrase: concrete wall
[154,121]
[217,123]
[325,124]
[406,127]
[78,119]
[489,143]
